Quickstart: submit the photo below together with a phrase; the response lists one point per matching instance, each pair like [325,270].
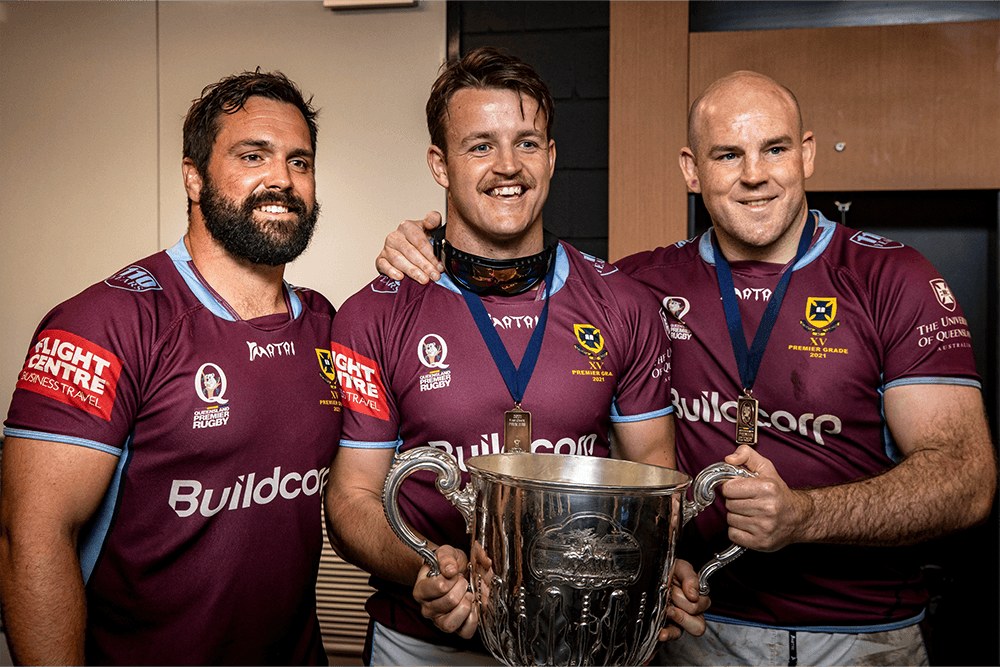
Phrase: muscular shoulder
[608,284]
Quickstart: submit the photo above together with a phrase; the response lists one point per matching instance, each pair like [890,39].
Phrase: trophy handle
[448,479]
[703,490]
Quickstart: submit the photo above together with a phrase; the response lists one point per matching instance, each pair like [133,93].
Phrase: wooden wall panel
[647,204]
[917,107]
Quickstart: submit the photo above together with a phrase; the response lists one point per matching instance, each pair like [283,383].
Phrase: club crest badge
[589,341]
[944,295]
[821,315]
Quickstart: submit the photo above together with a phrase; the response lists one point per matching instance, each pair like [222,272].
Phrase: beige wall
[92,98]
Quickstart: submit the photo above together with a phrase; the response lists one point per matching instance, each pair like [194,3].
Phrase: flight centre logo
[210,385]
[329,375]
[590,343]
[360,382]
[432,350]
[72,370]
[820,321]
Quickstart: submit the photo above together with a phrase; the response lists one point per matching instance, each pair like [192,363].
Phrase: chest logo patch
[820,321]
[432,350]
[678,308]
[590,343]
[210,384]
[360,382]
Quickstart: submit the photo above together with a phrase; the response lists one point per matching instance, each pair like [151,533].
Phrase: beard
[273,243]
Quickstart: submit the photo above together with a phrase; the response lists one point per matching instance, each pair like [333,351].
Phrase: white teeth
[758,202]
[507,191]
[273,208]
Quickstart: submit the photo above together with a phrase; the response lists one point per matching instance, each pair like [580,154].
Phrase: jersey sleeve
[361,346]
[79,382]
[925,335]
[644,383]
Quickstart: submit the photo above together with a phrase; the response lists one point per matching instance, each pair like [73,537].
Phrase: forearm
[360,534]
[930,494]
[44,605]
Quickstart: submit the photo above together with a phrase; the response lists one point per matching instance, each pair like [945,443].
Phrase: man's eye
[300,164]
[481,148]
[252,157]
[529,144]
[776,150]
[728,156]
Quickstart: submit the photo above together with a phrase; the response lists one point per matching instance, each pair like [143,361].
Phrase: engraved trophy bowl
[571,556]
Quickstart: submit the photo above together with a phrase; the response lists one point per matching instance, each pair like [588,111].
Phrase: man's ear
[439,165]
[808,153]
[192,180]
[689,165]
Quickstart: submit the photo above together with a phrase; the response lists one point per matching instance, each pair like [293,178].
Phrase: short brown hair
[201,126]
[485,68]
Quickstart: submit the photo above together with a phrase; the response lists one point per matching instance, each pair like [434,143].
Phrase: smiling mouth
[277,209]
[506,191]
[758,202]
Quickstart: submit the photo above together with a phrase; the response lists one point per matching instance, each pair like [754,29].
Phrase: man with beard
[152,480]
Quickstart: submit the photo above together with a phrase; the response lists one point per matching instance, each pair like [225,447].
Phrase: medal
[746,419]
[516,422]
[516,430]
[748,359]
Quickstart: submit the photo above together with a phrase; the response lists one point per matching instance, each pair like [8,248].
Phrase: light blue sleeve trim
[359,444]
[618,418]
[92,540]
[962,382]
[831,629]
[69,440]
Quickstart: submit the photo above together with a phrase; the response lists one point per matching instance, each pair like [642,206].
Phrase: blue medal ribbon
[748,360]
[516,379]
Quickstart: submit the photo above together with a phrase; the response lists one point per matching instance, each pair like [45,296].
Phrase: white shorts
[390,647]
[732,644]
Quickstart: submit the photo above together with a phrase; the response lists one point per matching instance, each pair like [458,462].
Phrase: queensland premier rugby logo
[210,385]
[678,308]
[432,350]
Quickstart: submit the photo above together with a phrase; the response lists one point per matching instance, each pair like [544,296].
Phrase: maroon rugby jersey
[415,371]
[862,313]
[206,546]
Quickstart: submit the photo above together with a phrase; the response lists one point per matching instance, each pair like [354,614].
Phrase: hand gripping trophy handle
[703,492]
[448,479]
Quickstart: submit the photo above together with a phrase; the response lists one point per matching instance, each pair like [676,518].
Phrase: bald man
[837,365]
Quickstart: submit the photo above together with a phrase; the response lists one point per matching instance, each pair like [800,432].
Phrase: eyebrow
[775,141]
[264,144]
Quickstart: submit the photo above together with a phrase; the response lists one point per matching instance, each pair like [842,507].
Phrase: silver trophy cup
[571,556]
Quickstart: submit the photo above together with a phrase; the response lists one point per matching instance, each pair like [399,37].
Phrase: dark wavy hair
[201,126]
[485,68]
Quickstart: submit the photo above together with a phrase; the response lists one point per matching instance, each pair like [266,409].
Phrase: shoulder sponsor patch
[72,370]
[870,240]
[134,279]
[603,268]
[360,382]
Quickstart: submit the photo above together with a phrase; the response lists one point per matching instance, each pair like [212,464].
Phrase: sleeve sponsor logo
[134,279]
[72,370]
[943,294]
[869,240]
[360,381]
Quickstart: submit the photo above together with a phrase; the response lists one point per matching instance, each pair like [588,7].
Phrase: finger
[742,454]
[432,221]
[468,628]
[451,561]
[686,579]
[692,624]
[408,246]
[456,618]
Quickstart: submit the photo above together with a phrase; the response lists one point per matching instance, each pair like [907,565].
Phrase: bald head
[739,90]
